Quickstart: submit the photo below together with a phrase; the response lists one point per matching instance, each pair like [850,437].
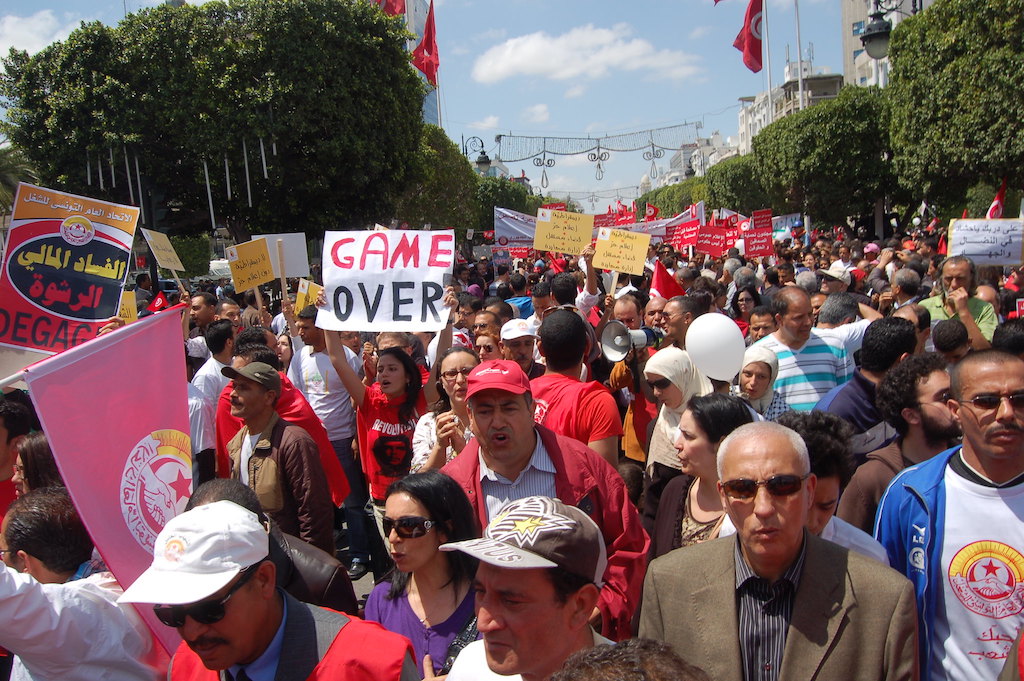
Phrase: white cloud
[583,52]
[698,32]
[575,91]
[538,113]
[488,123]
[34,32]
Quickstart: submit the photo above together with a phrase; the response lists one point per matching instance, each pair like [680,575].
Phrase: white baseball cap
[517,328]
[198,553]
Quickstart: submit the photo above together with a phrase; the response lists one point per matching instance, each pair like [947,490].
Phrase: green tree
[326,86]
[194,253]
[955,85]
[443,189]
[674,198]
[14,168]
[735,184]
[498,192]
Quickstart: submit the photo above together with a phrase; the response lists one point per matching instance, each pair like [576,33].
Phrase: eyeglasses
[407,527]
[204,612]
[777,486]
[661,383]
[483,347]
[745,300]
[451,374]
[990,402]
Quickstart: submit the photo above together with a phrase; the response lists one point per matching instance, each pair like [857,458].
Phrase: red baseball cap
[497,374]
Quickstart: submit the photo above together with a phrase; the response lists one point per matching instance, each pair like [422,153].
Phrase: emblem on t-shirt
[156,483]
[394,454]
[988,578]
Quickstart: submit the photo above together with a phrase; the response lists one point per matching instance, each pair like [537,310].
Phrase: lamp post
[875,37]
[472,146]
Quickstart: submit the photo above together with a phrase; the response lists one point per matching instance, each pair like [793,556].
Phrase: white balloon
[715,344]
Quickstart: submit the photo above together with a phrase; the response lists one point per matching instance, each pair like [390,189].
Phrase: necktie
[240,676]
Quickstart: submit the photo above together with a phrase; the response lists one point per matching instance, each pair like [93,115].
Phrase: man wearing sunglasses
[777,602]
[212,579]
[952,525]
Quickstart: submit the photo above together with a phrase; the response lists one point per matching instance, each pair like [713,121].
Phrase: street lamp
[473,145]
[875,36]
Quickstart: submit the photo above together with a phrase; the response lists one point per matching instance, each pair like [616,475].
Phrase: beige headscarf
[759,353]
[675,365]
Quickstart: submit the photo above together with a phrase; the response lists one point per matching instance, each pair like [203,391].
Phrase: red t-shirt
[583,411]
[385,442]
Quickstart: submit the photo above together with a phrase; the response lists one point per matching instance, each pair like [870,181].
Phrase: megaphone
[617,340]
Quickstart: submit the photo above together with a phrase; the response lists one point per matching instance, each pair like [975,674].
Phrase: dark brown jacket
[286,474]
[859,501]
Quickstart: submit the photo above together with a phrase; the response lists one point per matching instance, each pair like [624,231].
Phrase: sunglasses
[661,383]
[990,402]
[777,486]
[451,374]
[485,348]
[204,612]
[407,527]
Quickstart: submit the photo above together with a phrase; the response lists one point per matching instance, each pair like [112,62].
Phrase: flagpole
[768,58]
[11,380]
[799,54]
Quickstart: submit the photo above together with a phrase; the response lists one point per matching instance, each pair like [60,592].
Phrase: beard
[937,432]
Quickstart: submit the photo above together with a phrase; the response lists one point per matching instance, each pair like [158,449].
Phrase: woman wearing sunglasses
[743,303]
[757,383]
[443,433]
[487,345]
[691,509]
[428,597]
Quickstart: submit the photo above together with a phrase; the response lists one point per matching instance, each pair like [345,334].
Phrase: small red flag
[995,211]
[663,284]
[393,7]
[749,39]
[424,57]
[158,303]
[651,212]
[964,216]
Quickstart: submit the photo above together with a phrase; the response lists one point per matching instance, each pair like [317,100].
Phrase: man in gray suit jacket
[778,603]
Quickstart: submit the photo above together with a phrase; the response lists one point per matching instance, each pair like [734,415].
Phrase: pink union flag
[115,410]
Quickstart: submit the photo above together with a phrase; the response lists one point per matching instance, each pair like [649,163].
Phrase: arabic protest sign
[128,310]
[711,241]
[758,242]
[307,294]
[163,251]
[562,232]
[66,262]
[296,257]
[250,264]
[988,242]
[762,219]
[621,251]
[386,281]
[685,233]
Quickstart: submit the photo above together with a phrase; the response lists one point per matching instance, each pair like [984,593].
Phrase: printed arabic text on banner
[988,242]
[250,264]
[560,231]
[163,251]
[620,250]
[386,281]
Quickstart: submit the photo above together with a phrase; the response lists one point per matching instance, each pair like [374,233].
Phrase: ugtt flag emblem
[115,411]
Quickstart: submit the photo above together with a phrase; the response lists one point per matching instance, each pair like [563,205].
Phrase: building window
[857,53]
[858,27]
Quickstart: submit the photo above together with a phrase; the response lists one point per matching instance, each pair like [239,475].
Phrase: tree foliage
[194,253]
[324,85]
[500,192]
[14,168]
[735,184]
[674,198]
[955,86]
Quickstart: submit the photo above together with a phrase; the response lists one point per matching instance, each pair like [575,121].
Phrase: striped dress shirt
[537,479]
[764,611]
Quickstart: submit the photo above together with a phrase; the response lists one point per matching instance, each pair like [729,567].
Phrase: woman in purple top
[428,597]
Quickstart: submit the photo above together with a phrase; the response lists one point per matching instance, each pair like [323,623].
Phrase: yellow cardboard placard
[250,264]
[307,294]
[621,250]
[163,251]
[128,310]
[560,231]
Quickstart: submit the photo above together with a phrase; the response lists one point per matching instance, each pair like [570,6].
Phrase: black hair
[469,300]
[218,333]
[449,507]
[413,381]
[641,659]
[208,298]
[517,282]
[140,278]
[224,302]
[39,469]
[762,311]
[566,583]
[250,298]
[505,310]
[226,489]
[45,524]
[502,269]
[827,437]
[885,341]
[16,417]
[949,334]
[1009,337]
[257,352]
[898,390]
[752,290]
[254,334]
[718,414]
[563,288]
[979,356]
[540,290]
[444,403]
[771,275]
[308,312]
[563,337]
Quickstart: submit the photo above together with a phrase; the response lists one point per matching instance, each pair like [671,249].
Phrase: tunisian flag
[663,284]
[995,211]
[115,411]
[651,212]
[393,7]
[424,57]
[749,39]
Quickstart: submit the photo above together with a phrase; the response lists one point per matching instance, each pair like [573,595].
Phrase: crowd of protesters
[532,504]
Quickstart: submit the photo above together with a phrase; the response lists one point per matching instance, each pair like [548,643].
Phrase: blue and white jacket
[910,525]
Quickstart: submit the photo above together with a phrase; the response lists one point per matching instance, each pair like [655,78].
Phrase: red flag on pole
[651,212]
[663,284]
[393,7]
[995,211]
[749,39]
[158,303]
[424,57]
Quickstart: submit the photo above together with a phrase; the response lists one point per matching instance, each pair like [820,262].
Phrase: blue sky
[561,67]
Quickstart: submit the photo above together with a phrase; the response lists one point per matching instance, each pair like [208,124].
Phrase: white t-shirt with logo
[982,580]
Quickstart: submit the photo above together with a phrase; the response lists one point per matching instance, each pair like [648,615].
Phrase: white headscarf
[675,365]
[759,353]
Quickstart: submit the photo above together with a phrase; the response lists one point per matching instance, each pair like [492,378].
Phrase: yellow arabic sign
[307,294]
[560,231]
[621,250]
[163,251]
[250,264]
